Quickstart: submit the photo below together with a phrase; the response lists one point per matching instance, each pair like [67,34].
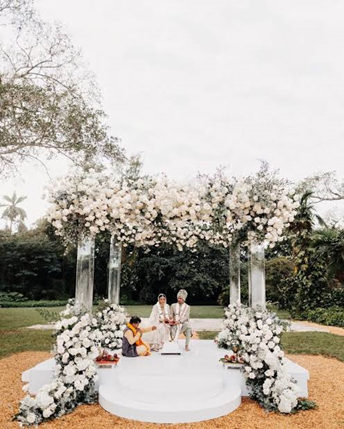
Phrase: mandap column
[85,273]
[257,276]
[234,273]
[115,261]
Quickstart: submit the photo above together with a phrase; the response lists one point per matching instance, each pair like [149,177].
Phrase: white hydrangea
[78,338]
[256,335]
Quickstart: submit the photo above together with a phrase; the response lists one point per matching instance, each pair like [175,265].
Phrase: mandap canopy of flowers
[154,210]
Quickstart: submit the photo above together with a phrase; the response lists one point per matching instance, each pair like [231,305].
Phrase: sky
[193,85]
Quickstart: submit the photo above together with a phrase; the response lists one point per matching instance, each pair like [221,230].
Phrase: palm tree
[330,245]
[12,212]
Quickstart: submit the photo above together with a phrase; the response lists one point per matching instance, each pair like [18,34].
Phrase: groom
[180,314]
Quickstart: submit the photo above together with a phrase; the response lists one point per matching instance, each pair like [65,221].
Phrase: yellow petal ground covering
[326,387]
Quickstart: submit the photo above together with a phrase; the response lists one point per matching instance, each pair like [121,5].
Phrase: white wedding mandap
[174,386]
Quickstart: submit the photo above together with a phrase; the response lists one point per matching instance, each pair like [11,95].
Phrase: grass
[22,340]
[15,318]
[314,343]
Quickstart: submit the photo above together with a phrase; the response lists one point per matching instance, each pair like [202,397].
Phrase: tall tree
[49,103]
[13,213]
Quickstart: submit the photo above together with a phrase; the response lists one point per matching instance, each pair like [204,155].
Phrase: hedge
[332,316]
[22,304]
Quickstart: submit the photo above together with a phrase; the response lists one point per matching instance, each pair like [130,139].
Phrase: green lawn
[314,343]
[22,340]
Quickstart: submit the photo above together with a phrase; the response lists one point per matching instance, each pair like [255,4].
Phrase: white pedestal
[171,348]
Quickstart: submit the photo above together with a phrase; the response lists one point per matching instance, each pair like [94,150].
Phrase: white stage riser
[169,389]
[170,411]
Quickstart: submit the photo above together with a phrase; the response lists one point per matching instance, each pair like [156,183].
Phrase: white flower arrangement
[112,322]
[78,339]
[150,211]
[256,334]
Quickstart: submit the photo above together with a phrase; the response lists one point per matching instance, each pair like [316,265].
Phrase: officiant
[180,315]
[133,345]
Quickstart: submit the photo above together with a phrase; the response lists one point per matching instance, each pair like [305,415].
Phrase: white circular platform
[146,405]
[186,388]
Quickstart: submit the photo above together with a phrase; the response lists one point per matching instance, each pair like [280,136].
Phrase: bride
[160,317]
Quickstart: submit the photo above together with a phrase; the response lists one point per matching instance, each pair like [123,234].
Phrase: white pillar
[234,273]
[257,290]
[115,260]
[85,273]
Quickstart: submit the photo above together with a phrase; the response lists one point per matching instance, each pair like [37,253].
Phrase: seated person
[160,317]
[133,345]
[180,314]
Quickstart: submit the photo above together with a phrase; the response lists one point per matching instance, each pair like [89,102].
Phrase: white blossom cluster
[257,335]
[112,322]
[150,211]
[78,339]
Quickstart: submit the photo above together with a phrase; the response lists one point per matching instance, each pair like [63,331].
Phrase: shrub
[326,316]
[21,304]
[12,297]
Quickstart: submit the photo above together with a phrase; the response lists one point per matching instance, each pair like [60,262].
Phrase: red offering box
[107,362]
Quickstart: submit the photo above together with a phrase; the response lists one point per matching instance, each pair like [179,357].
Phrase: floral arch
[251,211]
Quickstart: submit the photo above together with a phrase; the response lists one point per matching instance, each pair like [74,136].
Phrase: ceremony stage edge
[192,387]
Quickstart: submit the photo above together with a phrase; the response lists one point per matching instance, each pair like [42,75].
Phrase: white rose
[31,418]
[284,405]
[47,413]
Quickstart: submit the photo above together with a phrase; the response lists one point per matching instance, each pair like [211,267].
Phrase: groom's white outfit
[180,313]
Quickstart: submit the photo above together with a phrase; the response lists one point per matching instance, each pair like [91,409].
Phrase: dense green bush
[277,271]
[35,265]
[332,316]
[22,304]
[12,297]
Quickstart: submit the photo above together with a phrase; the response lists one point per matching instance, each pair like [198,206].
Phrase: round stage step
[159,409]
[151,388]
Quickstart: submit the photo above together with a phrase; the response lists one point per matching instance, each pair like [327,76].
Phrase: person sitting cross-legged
[180,314]
[133,345]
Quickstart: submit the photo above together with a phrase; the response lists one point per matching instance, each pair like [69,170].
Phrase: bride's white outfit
[161,335]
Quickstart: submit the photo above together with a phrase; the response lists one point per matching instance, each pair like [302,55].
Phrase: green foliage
[332,316]
[35,265]
[304,405]
[203,273]
[32,304]
[277,272]
[310,286]
[48,315]
[12,297]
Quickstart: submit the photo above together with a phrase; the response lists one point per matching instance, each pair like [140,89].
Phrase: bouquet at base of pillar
[233,359]
[105,357]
